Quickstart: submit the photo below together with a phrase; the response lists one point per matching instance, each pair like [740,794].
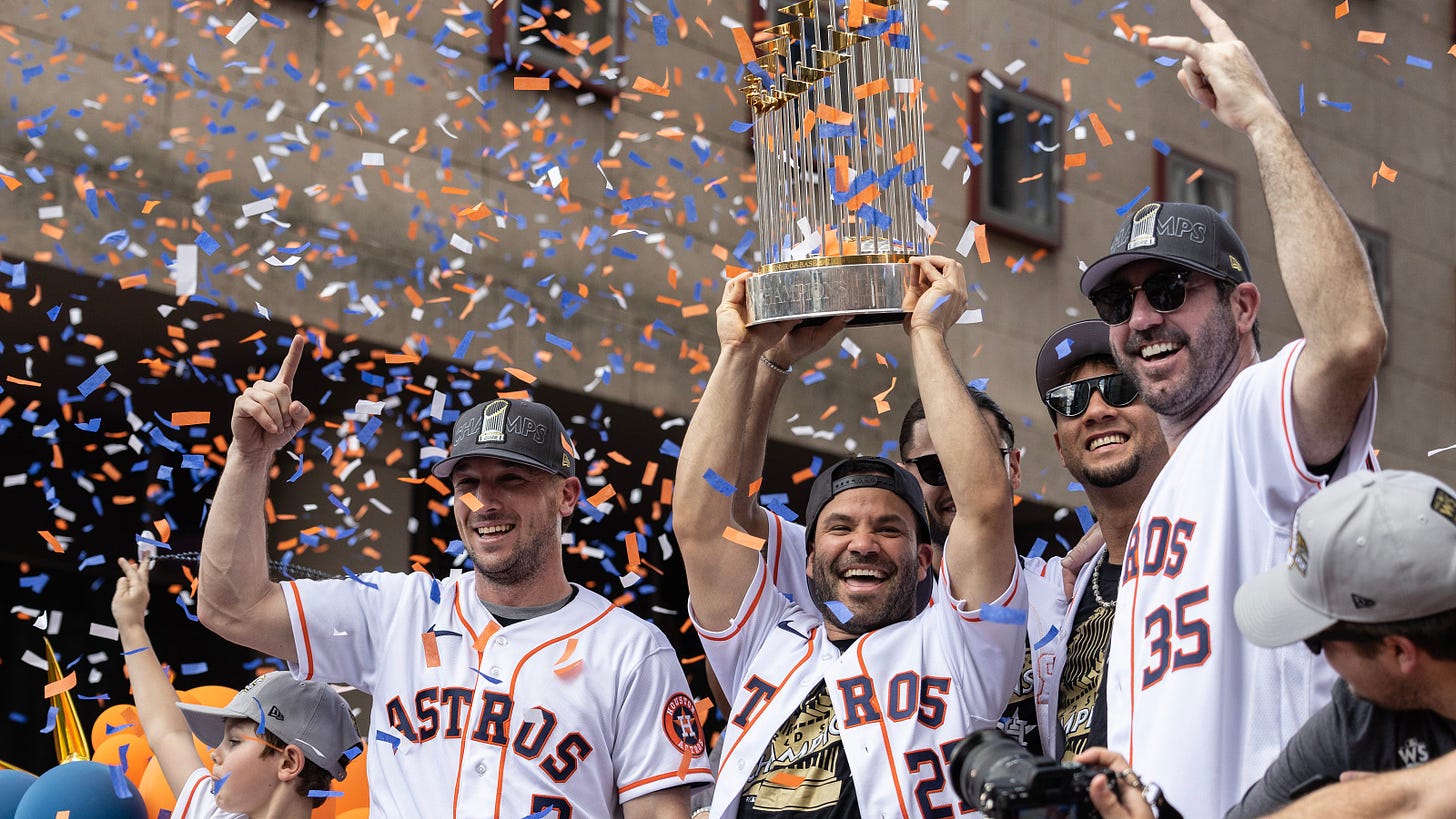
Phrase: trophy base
[873,292]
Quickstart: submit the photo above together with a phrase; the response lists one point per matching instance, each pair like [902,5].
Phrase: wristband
[775,366]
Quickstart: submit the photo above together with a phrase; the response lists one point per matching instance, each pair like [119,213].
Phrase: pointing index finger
[1218,30]
[290,363]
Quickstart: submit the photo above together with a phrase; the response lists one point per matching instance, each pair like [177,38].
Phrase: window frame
[1163,173]
[503,26]
[979,208]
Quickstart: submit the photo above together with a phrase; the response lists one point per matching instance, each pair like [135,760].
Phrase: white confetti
[373,159]
[242,28]
[184,270]
[1439,451]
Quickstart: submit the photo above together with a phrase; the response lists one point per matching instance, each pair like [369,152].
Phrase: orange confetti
[1342,9]
[744,42]
[647,86]
[521,375]
[1102,137]
[1073,58]
[786,779]
[833,115]
[743,538]
[432,650]
[471,501]
[60,686]
[184,419]
[533,83]
[1372,37]
[11,183]
[605,494]
[869,89]
[1073,160]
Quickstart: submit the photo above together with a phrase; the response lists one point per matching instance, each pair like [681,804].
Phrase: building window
[1015,189]
[578,41]
[1184,178]
[1377,250]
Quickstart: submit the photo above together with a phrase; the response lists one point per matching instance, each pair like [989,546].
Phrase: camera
[1005,781]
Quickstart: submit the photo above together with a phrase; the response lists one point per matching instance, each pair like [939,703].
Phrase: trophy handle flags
[839,140]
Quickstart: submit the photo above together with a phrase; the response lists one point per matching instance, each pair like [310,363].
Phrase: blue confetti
[189,669]
[1418,62]
[1050,635]
[1301,99]
[1084,515]
[1064,348]
[208,244]
[1167,62]
[96,380]
[1038,547]
[659,29]
[739,127]
[1145,78]
[1002,614]
[1161,147]
[392,741]
[840,611]
[1343,106]
[185,610]
[1122,211]
[354,577]
[324,794]
[119,783]
[722,485]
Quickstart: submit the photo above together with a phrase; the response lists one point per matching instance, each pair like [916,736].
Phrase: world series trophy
[839,140]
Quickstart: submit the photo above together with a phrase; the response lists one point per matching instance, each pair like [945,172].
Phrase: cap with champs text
[510,429]
[305,713]
[1188,236]
[1372,547]
[867,472]
[1064,349]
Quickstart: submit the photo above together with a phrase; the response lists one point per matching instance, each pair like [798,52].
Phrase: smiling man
[504,691]
[845,703]
[1110,442]
[1190,704]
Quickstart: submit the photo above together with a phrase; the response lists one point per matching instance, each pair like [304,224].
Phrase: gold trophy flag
[839,139]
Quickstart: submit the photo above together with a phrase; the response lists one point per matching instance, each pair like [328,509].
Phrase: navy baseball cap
[1190,236]
[1064,349]
[867,472]
[514,430]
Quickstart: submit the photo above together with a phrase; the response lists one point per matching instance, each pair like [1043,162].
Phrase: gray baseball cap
[510,429]
[308,714]
[1372,547]
[1190,236]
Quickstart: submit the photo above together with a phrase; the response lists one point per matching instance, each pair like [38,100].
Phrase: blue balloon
[87,789]
[13,785]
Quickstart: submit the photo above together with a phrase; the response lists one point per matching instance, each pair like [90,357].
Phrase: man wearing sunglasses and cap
[1111,444]
[1192,705]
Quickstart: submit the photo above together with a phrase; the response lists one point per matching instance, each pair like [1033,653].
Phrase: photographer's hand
[1128,802]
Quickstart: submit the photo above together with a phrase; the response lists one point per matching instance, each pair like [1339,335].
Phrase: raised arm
[156,701]
[767,384]
[980,554]
[719,570]
[235,598]
[1321,260]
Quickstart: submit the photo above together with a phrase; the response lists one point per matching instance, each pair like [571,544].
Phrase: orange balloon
[154,789]
[111,721]
[138,754]
[355,813]
[186,696]
[328,810]
[215,696]
[355,786]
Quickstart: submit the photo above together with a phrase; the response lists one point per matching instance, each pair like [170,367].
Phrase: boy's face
[243,778]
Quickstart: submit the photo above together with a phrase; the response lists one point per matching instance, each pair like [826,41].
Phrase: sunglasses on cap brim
[1071,399]
[1166,292]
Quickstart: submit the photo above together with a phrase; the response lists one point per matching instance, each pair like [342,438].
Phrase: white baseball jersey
[1050,617]
[196,800]
[903,695]
[787,556]
[1192,705]
[579,710]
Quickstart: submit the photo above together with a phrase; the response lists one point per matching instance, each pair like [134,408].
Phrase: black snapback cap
[510,429]
[1192,236]
[867,472]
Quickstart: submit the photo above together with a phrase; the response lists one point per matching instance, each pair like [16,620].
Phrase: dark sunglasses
[1166,292]
[930,469]
[1316,643]
[1071,400]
